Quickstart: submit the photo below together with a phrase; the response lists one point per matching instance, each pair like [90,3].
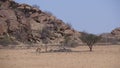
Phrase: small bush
[6,40]
[45,33]
[68,42]
[73,44]
[45,36]
[109,40]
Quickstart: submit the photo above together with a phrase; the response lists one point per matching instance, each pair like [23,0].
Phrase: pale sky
[93,16]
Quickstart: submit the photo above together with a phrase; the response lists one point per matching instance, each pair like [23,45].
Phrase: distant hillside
[116,32]
[113,37]
[29,24]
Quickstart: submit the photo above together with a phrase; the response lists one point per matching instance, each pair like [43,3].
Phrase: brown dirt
[101,57]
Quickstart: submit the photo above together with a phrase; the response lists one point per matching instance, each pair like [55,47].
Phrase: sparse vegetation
[104,57]
[36,6]
[48,13]
[69,25]
[7,40]
[65,42]
[89,39]
[39,31]
[45,35]
[26,23]
[68,42]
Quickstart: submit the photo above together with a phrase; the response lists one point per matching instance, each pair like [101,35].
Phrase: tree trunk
[90,46]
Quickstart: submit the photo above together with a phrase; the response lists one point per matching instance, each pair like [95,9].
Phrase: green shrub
[68,42]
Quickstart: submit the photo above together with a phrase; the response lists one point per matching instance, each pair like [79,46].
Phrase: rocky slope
[26,23]
[113,37]
[116,32]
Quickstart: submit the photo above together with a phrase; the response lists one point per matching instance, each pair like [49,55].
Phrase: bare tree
[89,39]
[45,34]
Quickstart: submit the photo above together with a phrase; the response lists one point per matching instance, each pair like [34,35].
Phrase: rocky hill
[116,32]
[113,37]
[25,23]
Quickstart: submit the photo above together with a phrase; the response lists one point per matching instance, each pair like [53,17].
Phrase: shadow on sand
[84,51]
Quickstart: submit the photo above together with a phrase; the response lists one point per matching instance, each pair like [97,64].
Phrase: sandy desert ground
[101,57]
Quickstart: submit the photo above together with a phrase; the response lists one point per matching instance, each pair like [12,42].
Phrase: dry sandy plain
[101,57]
